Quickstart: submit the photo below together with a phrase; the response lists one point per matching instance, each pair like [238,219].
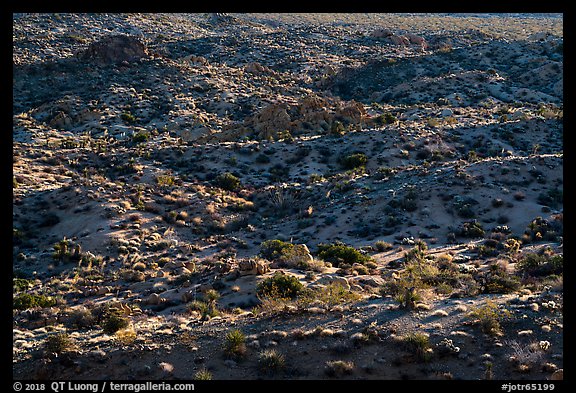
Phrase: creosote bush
[279,286]
[274,249]
[227,181]
[536,265]
[489,316]
[114,322]
[338,252]
[26,300]
[58,343]
[353,161]
[472,229]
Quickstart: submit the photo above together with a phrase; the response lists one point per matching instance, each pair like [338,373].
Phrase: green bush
[25,301]
[279,286]
[262,158]
[206,309]
[128,117]
[141,136]
[354,161]
[489,317]
[472,229]
[339,252]
[227,181]
[58,343]
[274,249]
[115,322]
[386,118]
[551,198]
[21,284]
[541,265]
[497,280]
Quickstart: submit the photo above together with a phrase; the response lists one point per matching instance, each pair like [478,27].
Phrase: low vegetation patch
[338,252]
[235,344]
[279,286]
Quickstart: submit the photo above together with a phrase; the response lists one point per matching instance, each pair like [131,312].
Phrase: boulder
[370,281]
[270,120]
[329,278]
[114,49]
[252,266]
[154,299]
[198,134]
[416,40]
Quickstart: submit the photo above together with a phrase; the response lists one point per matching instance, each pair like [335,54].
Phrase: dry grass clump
[271,360]
[235,345]
[339,368]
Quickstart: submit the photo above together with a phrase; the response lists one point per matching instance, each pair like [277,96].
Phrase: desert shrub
[274,249]
[497,280]
[206,309]
[353,161]
[419,345]
[141,136]
[406,298]
[203,375]
[58,343]
[542,229]
[21,284]
[81,318]
[540,265]
[445,262]
[114,322]
[49,220]
[126,336]
[551,198]
[26,300]
[410,200]
[337,368]
[385,118]
[235,344]
[128,117]
[262,159]
[165,180]
[271,360]
[417,253]
[471,229]
[279,286]
[339,252]
[527,357]
[227,181]
[330,295]
[489,316]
